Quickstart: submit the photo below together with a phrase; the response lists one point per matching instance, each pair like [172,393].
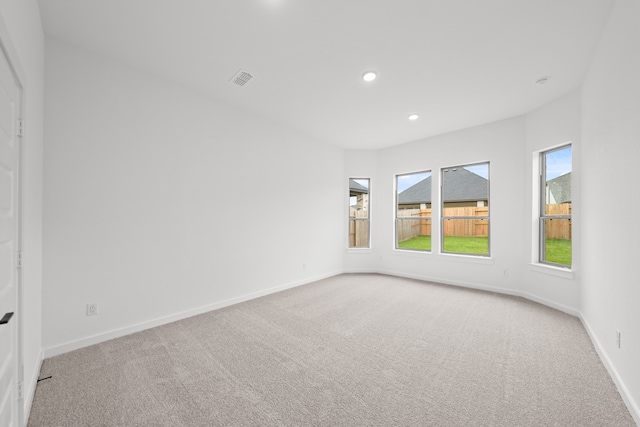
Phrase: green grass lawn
[558,250]
[467,245]
[420,243]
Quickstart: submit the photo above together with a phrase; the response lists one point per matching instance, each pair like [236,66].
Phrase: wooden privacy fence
[358,229]
[558,228]
[414,226]
[466,227]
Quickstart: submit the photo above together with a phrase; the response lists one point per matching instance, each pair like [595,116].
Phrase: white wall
[501,144]
[22,19]
[610,161]
[551,125]
[161,203]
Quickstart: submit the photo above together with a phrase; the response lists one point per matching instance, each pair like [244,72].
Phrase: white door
[9,161]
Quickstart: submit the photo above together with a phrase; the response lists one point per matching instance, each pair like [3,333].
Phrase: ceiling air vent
[241,78]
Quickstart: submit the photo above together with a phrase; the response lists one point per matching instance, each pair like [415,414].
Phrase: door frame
[8,50]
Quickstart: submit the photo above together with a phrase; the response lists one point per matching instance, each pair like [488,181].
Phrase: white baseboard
[117,333]
[548,303]
[513,292]
[30,389]
[634,410]
[444,281]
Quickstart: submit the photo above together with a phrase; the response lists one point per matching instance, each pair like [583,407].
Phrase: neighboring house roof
[355,188]
[560,188]
[417,193]
[460,185]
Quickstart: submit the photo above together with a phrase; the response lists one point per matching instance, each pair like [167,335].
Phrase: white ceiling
[458,63]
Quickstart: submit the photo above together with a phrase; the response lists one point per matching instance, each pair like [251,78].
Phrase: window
[413,211]
[555,206]
[359,212]
[465,209]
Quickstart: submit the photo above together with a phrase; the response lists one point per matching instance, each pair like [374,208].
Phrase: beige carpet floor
[352,350]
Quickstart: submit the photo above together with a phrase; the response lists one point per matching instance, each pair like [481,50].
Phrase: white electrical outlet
[92,309]
[618,338]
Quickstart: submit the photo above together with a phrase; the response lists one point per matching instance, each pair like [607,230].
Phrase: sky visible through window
[558,163]
[406,181]
[481,169]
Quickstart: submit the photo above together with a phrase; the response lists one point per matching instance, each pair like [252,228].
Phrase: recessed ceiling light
[369,76]
[413,116]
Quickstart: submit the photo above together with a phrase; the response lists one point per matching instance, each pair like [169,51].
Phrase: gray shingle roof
[560,188]
[460,185]
[355,188]
[419,192]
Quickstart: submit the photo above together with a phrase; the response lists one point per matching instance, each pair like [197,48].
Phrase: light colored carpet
[352,350]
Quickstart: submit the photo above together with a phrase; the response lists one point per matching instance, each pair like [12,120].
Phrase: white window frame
[356,219]
[444,218]
[397,218]
[541,208]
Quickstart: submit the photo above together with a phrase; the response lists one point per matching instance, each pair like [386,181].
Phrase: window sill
[466,258]
[445,257]
[410,253]
[359,250]
[551,270]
